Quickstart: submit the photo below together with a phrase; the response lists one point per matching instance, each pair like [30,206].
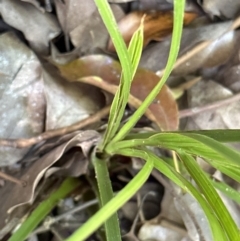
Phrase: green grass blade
[218,135]
[118,103]
[226,190]
[230,170]
[227,152]
[129,60]
[176,38]
[211,195]
[191,143]
[44,208]
[106,194]
[227,162]
[112,206]
[172,174]
[111,25]
[135,48]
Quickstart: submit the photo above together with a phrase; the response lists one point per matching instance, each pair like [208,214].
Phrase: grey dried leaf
[226,117]
[35,3]
[161,231]
[22,98]
[14,195]
[86,30]
[68,103]
[217,53]
[194,218]
[221,8]
[120,1]
[38,27]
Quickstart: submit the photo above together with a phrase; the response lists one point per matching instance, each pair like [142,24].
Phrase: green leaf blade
[212,197]
[43,209]
[179,6]
[112,206]
[112,228]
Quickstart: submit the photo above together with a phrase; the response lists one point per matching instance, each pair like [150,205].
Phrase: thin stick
[211,106]
[21,143]
[51,220]
[11,179]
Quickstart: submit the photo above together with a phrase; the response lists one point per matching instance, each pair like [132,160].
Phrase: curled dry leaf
[14,195]
[157,25]
[164,107]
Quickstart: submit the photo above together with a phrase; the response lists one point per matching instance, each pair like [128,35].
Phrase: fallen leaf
[86,30]
[157,25]
[193,217]
[15,195]
[222,8]
[164,107]
[163,230]
[221,41]
[38,27]
[225,117]
[22,97]
[35,3]
[68,103]
[144,5]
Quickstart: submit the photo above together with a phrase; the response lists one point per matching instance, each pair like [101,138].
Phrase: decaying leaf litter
[58,74]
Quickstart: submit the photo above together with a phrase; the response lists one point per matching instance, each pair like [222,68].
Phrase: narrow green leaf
[176,38]
[230,170]
[226,190]
[227,152]
[135,47]
[44,208]
[106,194]
[211,195]
[202,146]
[111,25]
[170,172]
[112,206]
[121,97]
[218,135]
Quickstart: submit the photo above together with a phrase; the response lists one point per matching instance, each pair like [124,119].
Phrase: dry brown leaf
[157,25]
[164,107]
[14,195]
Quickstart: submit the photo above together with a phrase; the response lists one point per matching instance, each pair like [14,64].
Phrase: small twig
[72,211]
[211,106]
[21,143]
[131,233]
[52,220]
[12,179]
